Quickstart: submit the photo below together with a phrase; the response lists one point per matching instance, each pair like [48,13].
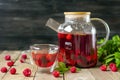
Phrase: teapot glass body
[77,40]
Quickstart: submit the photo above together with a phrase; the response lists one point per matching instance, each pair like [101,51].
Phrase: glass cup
[44,56]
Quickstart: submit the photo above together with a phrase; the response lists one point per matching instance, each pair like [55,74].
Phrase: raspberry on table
[73,69]
[10,63]
[3,69]
[12,71]
[24,56]
[56,73]
[22,60]
[7,57]
[103,67]
[27,72]
[113,67]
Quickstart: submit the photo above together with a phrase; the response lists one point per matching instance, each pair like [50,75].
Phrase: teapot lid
[76,13]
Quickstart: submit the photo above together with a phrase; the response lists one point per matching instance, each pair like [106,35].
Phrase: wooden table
[83,74]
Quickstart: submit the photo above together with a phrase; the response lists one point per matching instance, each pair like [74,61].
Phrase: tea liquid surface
[43,60]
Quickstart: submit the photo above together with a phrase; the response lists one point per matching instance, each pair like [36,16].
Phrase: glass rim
[36,46]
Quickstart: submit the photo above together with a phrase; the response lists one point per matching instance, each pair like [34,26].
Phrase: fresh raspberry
[24,56]
[73,69]
[10,63]
[103,67]
[27,72]
[68,37]
[7,57]
[56,73]
[3,70]
[12,71]
[113,67]
[22,60]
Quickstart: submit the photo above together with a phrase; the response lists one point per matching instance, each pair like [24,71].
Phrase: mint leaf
[117,55]
[107,61]
[78,69]
[61,65]
[116,38]
[109,56]
[119,49]
[62,68]
[101,41]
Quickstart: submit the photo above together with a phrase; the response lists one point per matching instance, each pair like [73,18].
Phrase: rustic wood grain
[20,67]
[43,74]
[3,62]
[46,76]
[36,74]
[83,74]
[104,75]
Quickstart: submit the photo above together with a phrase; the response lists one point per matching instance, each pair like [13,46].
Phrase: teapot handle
[106,27]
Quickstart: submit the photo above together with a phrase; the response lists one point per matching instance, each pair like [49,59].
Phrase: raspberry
[24,56]
[103,67]
[27,72]
[3,69]
[73,69]
[68,37]
[10,63]
[56,73]
[12,71]
[22,60]
[113,67]
[7,57]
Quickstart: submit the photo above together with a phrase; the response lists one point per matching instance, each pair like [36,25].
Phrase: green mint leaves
[62,68]
[110,52]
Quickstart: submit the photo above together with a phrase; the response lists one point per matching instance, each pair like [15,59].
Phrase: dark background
[22,22]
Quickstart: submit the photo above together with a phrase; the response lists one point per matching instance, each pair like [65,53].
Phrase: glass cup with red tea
[44,56]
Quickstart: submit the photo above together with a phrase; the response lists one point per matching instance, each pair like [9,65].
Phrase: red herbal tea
[43,59]
[77,49]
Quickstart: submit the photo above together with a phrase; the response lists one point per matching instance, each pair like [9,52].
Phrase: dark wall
[22,22]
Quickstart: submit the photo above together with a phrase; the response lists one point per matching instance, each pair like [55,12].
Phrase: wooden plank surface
[36,74]
[104,75]
[20,67]
[14,56]
[93,74]
[83,74]
[46,76]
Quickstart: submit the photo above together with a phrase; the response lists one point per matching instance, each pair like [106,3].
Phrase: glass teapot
[77,39]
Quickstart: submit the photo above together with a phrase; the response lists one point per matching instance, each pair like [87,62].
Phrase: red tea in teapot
[77,49]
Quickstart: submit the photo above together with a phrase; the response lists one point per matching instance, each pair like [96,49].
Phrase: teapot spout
[53,24]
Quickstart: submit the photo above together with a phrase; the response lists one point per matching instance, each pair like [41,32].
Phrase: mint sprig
[62,68]
[110,52]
